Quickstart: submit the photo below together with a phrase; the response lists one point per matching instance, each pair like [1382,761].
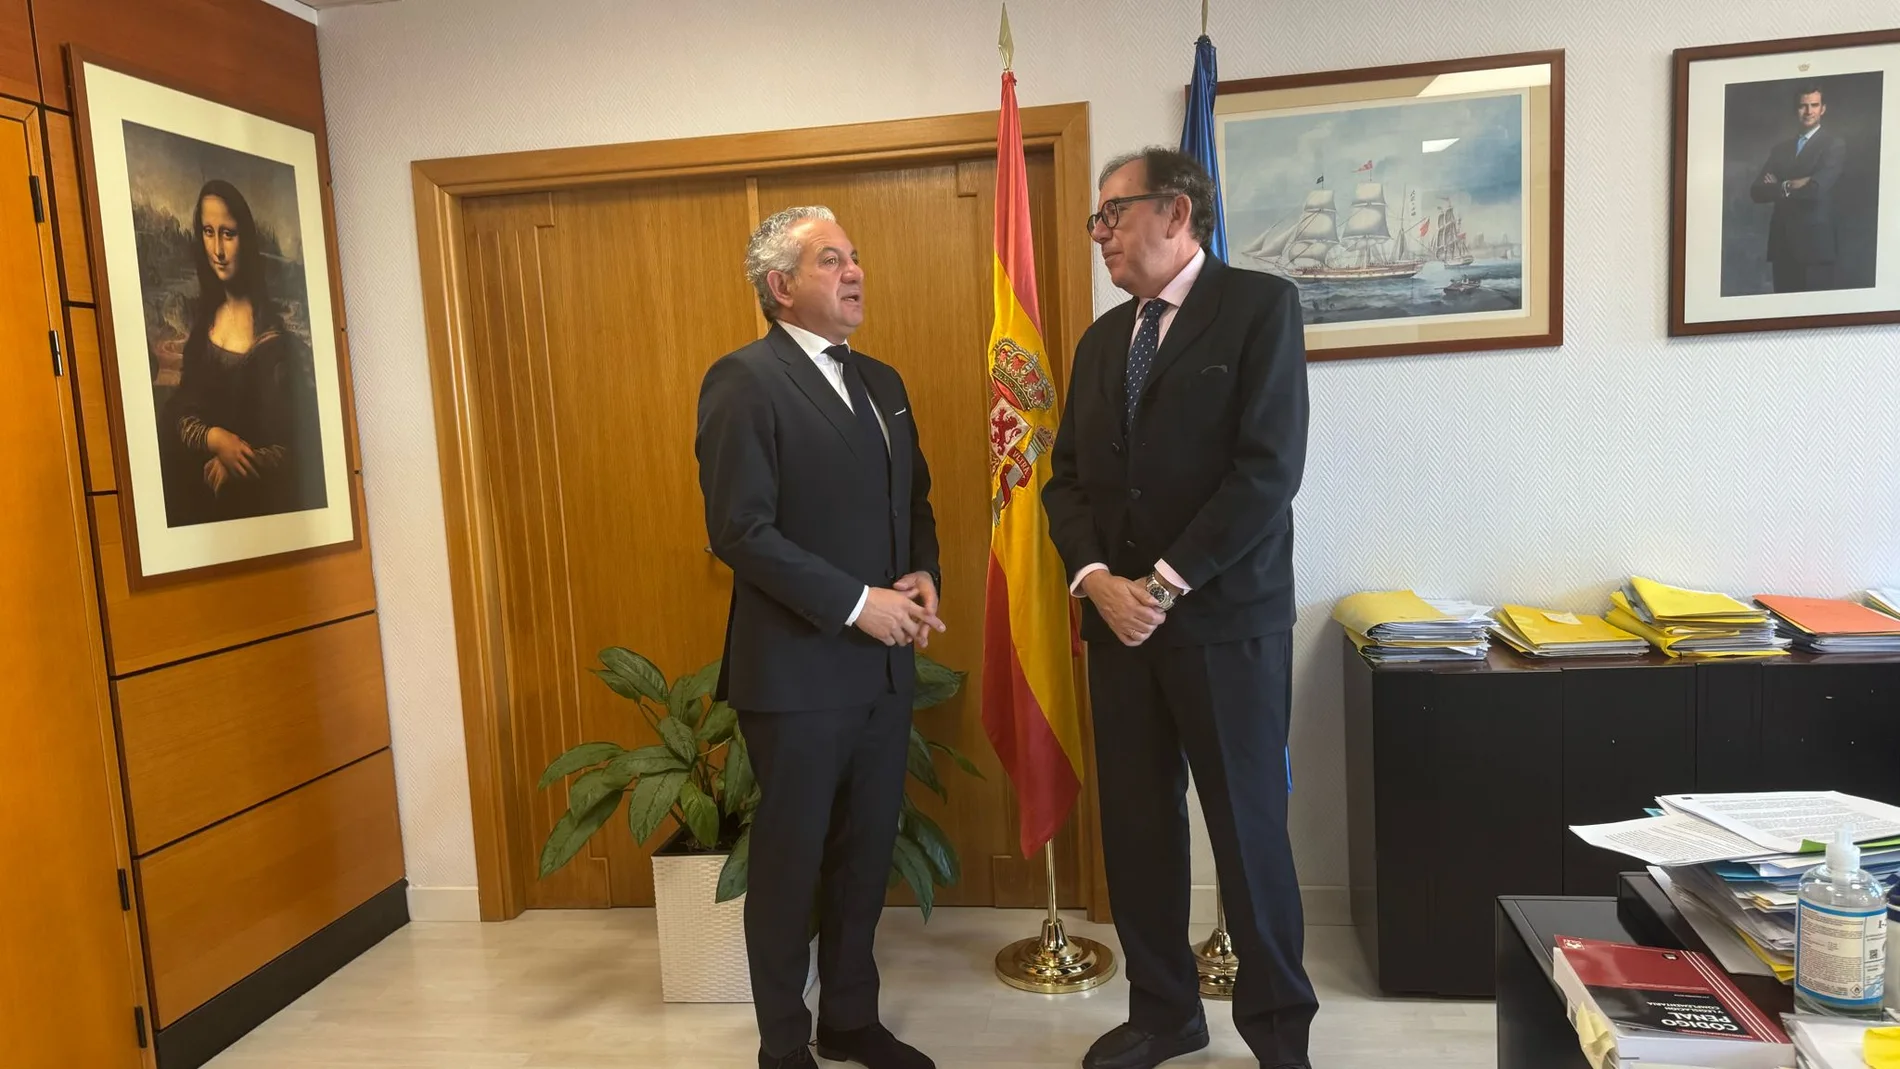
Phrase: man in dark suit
[1170,500]
[817,496]
[1799,180]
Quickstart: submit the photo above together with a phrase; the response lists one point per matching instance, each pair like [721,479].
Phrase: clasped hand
[1126,606]
[903,613]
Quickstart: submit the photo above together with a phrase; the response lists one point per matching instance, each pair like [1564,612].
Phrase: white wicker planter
[702,942]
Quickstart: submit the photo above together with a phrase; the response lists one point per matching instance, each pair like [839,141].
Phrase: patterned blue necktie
[1141,356]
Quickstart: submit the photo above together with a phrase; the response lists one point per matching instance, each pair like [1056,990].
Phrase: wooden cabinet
[70,993]
[1463,780]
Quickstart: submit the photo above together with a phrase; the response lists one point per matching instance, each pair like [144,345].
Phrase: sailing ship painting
[1393,240]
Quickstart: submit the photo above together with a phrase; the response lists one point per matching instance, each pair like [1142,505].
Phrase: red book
[1671,1006]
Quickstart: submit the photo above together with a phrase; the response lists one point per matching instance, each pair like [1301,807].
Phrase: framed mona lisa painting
[215,327]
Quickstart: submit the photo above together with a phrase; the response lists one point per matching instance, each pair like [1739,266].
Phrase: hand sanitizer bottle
[1893,950]
[1840,936]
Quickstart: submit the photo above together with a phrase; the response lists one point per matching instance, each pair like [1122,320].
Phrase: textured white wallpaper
[1745,463]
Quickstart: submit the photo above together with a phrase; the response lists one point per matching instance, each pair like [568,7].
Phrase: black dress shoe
[872,1046]
[1128,1047]
[798,1059]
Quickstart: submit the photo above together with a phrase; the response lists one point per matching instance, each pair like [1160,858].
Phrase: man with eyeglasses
[1170,498]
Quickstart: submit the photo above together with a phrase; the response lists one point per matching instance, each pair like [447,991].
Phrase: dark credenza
[1462,780]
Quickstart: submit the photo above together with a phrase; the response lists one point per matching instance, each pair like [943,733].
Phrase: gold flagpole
[1054,963]
[1215,960]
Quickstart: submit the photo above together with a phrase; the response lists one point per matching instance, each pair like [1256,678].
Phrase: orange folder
[1829,616]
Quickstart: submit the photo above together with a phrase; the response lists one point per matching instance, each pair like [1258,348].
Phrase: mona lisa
[239,435]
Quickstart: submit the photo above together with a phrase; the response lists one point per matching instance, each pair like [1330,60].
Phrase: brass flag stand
[1054,963]
[1214,960]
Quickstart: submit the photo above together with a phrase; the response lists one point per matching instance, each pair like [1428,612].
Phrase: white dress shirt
[815,347]
[1174,293]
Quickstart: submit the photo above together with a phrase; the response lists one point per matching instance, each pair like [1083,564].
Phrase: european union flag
[1197,134]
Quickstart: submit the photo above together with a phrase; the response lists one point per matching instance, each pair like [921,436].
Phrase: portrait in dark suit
[1170,500]
[1802,196]
[818,498]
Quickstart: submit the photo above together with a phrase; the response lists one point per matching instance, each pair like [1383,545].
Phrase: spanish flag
[1029,709]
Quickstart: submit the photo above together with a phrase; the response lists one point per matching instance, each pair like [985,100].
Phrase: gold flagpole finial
[1006,44]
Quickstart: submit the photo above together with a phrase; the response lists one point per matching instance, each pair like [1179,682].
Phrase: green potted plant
[700,774]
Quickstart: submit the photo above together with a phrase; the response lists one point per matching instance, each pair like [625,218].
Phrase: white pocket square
[900,411]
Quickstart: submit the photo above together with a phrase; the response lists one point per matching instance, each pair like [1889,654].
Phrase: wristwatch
[1159,591]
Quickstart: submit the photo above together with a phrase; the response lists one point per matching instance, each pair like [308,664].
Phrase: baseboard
[200,1035]
[444,904]
[1330,906]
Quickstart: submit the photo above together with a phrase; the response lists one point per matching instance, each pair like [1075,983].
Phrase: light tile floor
[580,990]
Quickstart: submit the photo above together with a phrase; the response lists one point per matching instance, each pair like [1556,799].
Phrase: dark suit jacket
[1206,479]
[1802,229]
[805,524]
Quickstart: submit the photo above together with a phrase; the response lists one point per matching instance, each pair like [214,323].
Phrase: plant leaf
[910,863]
[935,683]
[936,846]
[571,832]
[707,678]
[597,783]
[739,781]
[684,699]
[702,816]
[922,766]
[587,753]
[679,739]
[620,684]
[719,723]
[963,762]
[646,761]
[738,868]
[636,671]
[652,800]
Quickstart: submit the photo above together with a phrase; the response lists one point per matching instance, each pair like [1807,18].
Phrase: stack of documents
[1549,633]
[1399,627]
[1732,863]
[1824,625]
[1839,1043]
[1693,623]
[1887,601]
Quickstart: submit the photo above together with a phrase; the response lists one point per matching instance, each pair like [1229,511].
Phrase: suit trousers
[831,782]
[1222,710]
[1792,276]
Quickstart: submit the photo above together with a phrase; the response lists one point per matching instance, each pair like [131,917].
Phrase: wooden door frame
[442,185]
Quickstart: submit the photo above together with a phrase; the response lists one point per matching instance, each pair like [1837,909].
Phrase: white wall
[1540,475]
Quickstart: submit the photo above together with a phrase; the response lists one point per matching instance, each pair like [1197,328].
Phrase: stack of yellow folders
[1693,623]
[1550,633]
[1398,626]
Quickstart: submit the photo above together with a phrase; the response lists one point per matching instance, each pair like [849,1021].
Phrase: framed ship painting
[1419,208]
[1785,207]
[215,327]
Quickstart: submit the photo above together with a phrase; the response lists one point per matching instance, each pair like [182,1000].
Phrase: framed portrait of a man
[1418,208]
[216,328]
[1786,208]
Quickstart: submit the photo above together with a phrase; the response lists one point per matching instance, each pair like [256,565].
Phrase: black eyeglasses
[1111,214]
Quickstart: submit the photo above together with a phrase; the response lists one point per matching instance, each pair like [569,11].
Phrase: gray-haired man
[817,497]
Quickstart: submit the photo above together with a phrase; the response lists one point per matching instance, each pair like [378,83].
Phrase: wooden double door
[594,314]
